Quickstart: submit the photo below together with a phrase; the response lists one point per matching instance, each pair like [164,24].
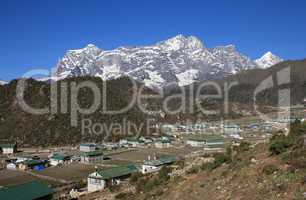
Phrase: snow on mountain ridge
[180,59]
[267,60]
[3,82]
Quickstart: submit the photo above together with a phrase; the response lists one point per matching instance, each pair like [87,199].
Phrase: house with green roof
[33,164]
[164,142]
[92,157]
[31,190]
[196,142]
[207,141]
[8,148]
[59,159]
[88,147]
[231,129]
[100,179]
[215,143]
[132,142]
[155,164]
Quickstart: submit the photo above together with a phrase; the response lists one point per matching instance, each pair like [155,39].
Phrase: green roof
[117,171]
[215,140]
[163,141]
[207,138]
[34,162]
[7,145]
[59,157]
[163,160]
[215,145]
[26,191]
[88,145]
[134,139]
[197,140]
[93,153]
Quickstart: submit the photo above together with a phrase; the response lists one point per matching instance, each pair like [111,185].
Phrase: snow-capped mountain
[3,82]
[267,60]
[179,60]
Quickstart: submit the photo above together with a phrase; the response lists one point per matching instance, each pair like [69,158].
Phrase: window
[94,181]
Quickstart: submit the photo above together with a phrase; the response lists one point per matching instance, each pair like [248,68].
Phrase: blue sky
[35,33]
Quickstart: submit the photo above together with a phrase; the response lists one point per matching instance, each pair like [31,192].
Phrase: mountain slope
[179,60]
[24,128]
[241,95]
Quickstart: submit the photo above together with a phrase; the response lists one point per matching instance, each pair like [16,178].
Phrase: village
[73,171]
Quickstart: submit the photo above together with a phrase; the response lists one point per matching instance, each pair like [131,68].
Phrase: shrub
[163,174]
[140,184]
[220,159]
[151,184]
[286,156]
[269,169]
[135,177]
[180,163]
[280,144]
[193,170]
[124,196]
[244,146]
[208,166]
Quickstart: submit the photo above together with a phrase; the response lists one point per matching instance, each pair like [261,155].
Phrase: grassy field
[72,172]
[11,177]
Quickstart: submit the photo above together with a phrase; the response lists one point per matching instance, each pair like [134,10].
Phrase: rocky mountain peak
[2,82]
[267,60]
[180,59]
[181,42]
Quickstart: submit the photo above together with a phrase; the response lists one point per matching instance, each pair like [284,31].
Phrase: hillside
[275,170]
[48,129]
[244,180]
[241,94]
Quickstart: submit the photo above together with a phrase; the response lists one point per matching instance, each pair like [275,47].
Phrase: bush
[269,169]
[124,196]
[209,166]
[286,156]
[180,163]
[280,144]
[193,170]
[220,159]
[140,184]
[244,146]
[135,177]
[163,174]
[151,184]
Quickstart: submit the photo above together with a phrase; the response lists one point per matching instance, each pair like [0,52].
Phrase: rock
[254,161]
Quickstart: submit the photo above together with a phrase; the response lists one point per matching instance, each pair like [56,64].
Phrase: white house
[154,165]
[196,142]
[163,143]
[88,147]
[231,129]
[236,136]
[214,144]
[8,148]
[22,159]
[57,159]
[92,157]
[100,179]
[131,142]
[11,166]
